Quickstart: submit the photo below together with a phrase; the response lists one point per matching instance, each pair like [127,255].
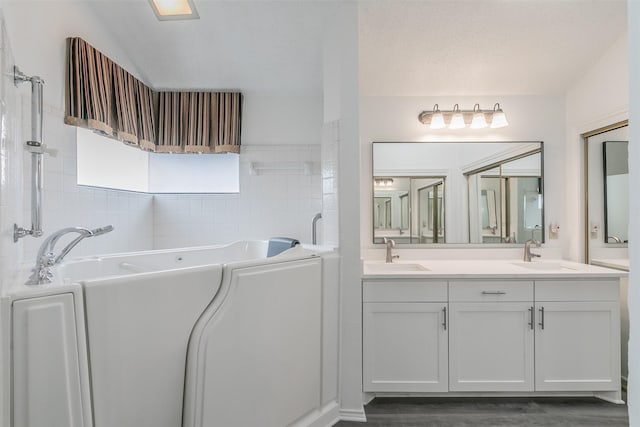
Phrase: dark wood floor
[484,412]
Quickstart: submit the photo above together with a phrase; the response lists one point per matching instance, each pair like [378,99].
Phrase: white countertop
[473,268]
[617,263]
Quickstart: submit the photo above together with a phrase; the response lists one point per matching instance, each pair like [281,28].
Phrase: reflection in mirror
[616,190]
[391,208]
[382,212]
[493,191]
[404,209]
[430,209]
[516,214]
[488,210]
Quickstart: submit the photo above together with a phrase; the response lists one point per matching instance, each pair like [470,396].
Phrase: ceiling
[509,47]
[428,47]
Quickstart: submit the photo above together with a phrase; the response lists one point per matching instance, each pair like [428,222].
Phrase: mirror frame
[459,245]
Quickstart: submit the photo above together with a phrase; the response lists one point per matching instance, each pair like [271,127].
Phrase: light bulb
[499,119]
[478,121]
[457,120]
[437,119]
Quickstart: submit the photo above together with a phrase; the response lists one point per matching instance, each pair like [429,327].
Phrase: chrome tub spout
[46,258]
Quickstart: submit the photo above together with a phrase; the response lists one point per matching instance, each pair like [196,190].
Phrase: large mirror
[607,193]
[457,192]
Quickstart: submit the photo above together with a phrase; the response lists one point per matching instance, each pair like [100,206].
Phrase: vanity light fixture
[173,10]
[459,119]
[383,182]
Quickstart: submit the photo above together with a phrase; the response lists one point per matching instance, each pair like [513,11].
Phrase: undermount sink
[543,265]
[396,267]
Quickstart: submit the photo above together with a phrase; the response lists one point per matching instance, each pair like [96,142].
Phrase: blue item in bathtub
[280,244]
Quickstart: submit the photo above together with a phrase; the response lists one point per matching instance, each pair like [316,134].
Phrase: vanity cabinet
[577,336]
[405,337]
[491,336]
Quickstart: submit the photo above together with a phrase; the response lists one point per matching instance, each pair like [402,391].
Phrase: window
[103,162]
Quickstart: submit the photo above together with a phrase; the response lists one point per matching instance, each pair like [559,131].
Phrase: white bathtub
[79,269]
[190,337]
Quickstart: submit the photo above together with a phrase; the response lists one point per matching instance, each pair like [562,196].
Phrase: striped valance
[104,97]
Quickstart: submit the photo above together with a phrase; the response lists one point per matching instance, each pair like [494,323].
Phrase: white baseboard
[357,415]
[326,416]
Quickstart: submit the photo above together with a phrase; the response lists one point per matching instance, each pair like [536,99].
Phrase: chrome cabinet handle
[493,293]
[531,317]
[444,322]
[541,318]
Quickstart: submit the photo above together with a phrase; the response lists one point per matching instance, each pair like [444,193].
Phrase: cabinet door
[491,346]
[577,346]
[405,347]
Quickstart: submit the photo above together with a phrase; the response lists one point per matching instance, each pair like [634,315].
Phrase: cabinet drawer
[578,290]
[490,291]
[404,291]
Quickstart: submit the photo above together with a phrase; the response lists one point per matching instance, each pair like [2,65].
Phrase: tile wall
[10,162]
[69,205]
[329,150]
[279,199]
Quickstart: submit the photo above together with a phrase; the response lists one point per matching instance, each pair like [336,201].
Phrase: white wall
[341,111]
[531,118]
[274,120]
[10,162]
[633,397]
[10,204]
[38,29]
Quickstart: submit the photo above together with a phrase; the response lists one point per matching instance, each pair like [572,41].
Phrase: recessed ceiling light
[166,10]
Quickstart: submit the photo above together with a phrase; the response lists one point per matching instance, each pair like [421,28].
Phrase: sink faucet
[527,249]
[389,243]
[46,259]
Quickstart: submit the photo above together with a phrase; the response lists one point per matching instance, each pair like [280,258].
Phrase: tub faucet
[389,243]
[46,258]
[527,249]
[314,225]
